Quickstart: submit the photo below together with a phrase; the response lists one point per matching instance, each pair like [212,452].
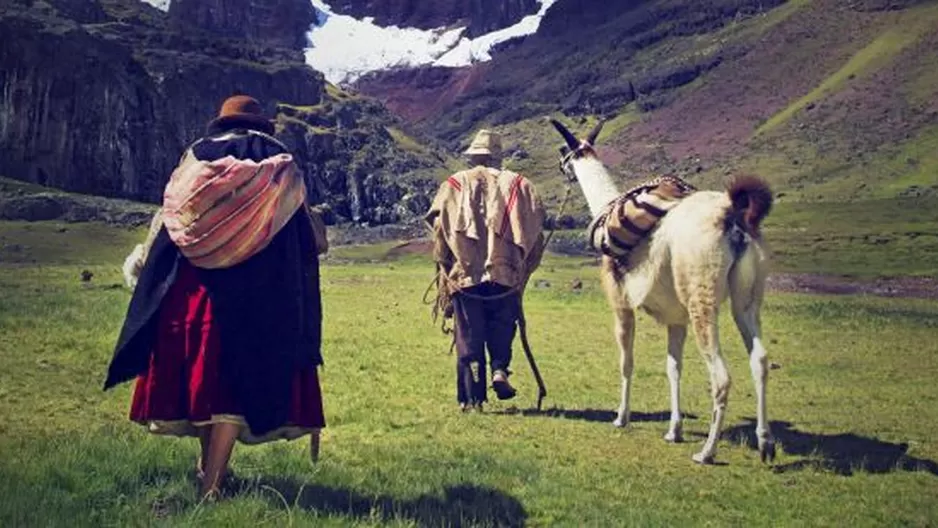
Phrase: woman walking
[223,331]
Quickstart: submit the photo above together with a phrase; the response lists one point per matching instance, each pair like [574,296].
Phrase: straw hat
[242,110]
[485,143]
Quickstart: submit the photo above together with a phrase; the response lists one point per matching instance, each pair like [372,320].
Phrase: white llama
[705,249]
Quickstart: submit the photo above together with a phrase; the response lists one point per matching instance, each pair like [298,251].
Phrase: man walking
[488,236]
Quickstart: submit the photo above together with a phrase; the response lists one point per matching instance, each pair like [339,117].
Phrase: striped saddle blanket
[626,221]
[221,213]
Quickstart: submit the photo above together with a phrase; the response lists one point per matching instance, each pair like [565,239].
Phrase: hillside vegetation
[831,101]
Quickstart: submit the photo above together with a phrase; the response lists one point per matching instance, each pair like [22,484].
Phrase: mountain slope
[830,100]
[102,96]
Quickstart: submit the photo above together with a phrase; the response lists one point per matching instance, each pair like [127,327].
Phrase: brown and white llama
[705,249]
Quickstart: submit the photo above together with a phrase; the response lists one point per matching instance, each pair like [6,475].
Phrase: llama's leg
[749,325]
[625,335]
[704,317]
[677,334]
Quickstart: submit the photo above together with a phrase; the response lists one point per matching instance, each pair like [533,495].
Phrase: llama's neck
[596,183]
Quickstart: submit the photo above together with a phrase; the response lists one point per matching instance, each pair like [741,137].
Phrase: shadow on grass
[841,453]
[593,415]
[460,505]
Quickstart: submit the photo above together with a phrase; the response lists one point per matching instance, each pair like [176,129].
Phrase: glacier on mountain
[159,4]
[344,48]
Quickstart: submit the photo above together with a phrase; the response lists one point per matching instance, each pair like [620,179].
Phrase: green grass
[766,21]
[923,83]
[396,451]
[312,129]
[626,116]
[339,94]
[11,187]
[865,239]
[914,163]
[406,142]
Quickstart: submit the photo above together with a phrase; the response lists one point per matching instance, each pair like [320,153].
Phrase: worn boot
[500,385]
[470,384]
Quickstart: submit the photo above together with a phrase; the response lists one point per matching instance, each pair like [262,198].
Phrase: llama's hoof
[673,437]
[767,451]
[620,423]
[702,458]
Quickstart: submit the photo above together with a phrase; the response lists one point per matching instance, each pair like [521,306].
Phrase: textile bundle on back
[627,220]
[220,213]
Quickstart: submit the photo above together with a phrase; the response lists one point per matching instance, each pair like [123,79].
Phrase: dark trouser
[479,323]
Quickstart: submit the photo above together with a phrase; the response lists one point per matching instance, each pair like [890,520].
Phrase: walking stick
[522,324]
[523,331]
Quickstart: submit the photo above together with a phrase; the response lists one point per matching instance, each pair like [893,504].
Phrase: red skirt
[183,388]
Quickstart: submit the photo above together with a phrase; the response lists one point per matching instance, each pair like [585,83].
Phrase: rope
[563,204]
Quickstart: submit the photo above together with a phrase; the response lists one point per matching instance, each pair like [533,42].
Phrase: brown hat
[241,111]
[485,143]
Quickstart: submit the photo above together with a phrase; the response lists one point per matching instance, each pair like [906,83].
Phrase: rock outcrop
[279,22]
[364,169]
[102,98]
[107,108]
[479,16]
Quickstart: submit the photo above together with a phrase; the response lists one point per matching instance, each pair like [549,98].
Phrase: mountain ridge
[124,87]
[829,100]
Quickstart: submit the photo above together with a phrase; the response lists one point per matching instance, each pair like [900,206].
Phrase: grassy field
[862,240]
[853,405]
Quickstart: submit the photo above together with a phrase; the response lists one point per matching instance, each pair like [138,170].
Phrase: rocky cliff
[479,16]
[280,22]
[101,97]
[358,162]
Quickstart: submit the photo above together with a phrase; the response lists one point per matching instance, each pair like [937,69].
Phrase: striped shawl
[222,212]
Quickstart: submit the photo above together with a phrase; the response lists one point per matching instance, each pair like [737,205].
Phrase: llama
[707,248]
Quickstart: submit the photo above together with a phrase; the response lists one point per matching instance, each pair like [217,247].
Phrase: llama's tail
[752,201]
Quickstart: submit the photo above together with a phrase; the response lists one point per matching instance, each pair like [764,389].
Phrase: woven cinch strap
[626,221]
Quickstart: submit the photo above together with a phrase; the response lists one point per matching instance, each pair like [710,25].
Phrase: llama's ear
[591,139]
[567,135]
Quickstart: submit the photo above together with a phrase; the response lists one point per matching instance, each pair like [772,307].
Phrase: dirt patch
[351,234]
[910,287]
[411,247]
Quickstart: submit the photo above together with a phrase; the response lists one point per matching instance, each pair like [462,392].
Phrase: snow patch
[159,4]
[344,48]
[477,49]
